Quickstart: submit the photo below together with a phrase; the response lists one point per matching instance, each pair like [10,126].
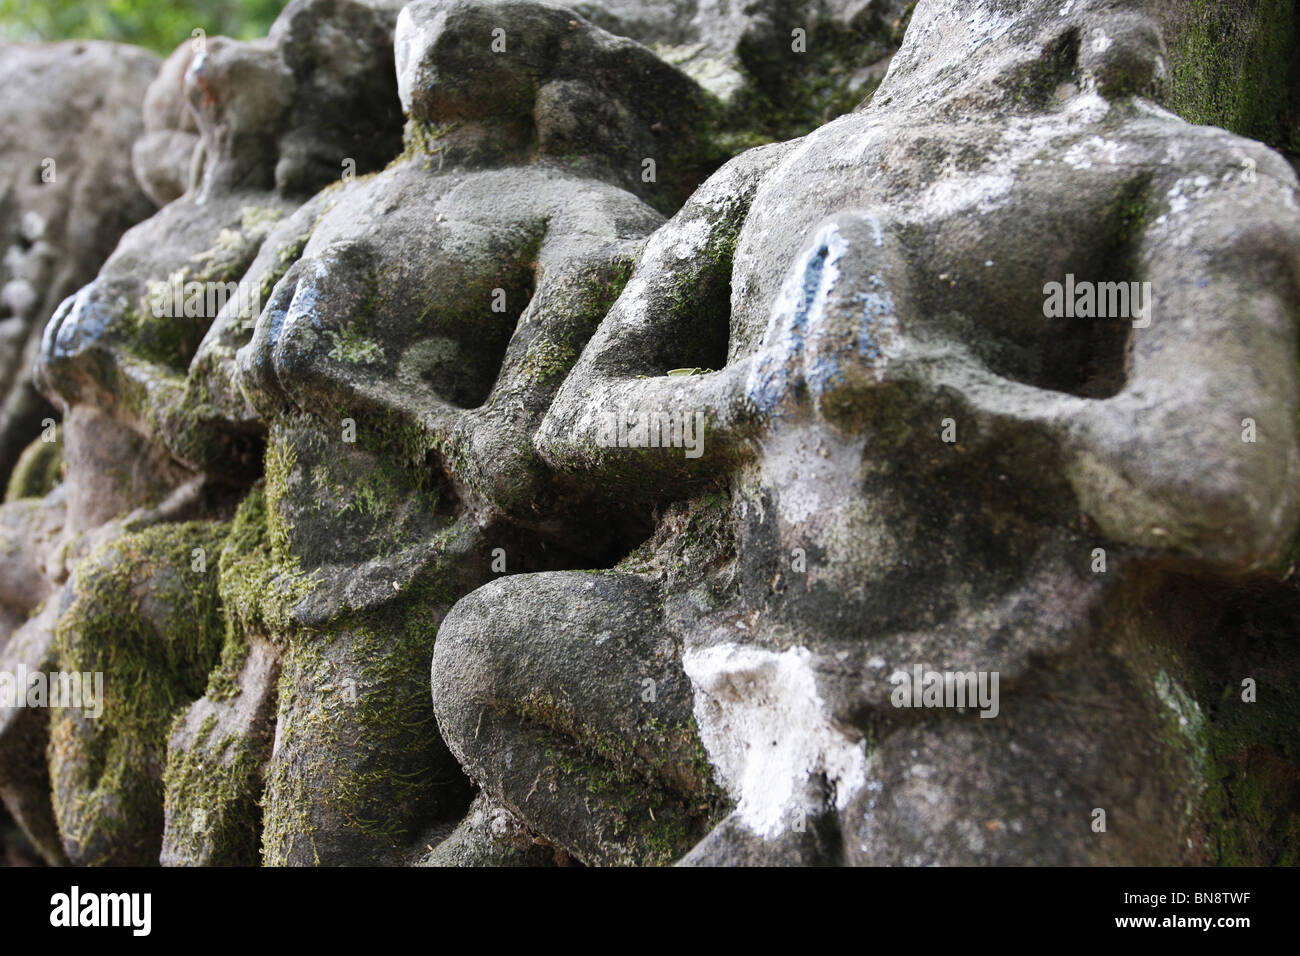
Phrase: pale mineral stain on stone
[768,732]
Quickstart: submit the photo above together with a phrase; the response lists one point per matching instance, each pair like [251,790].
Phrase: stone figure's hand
[613,411]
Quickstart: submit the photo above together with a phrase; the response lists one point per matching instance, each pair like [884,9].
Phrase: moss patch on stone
[654,789]
[151,623]
[212,793]
[258,591]
[1252,797]
[1236,64]
[366,746]
[38,470]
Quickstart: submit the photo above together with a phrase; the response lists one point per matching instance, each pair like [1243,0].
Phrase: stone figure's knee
[470,655]
[525,638]
[258,105]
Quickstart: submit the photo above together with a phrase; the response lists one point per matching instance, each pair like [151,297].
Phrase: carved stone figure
[922,491]
[153,431]
[926,466]
[404,361]
[68,115]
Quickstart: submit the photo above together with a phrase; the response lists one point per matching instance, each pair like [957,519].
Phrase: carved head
[507,80]
[284,112]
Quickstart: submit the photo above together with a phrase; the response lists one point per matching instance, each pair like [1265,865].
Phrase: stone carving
[69,113]
[778,67]
[863,292]
[154,432]
[993,377]
[433,313]
[294,606]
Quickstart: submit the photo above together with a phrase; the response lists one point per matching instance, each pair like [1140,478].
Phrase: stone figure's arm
[124,341]
[207,421]
[1196,456]
[674,313]
[582,265]
[1198,452]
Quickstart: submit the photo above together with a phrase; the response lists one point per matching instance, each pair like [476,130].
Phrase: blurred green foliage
[161,25]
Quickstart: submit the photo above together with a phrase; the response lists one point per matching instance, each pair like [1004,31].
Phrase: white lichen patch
[1191,721]
[768,732]
[982,193]
[1187,190]
[1191,724]
[1094,151]
[690,238]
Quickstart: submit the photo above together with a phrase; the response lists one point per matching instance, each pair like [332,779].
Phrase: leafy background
[161,25]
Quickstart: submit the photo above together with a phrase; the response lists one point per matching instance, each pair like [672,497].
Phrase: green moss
[367,751]
[549,361]
[364,746]
[1236,64]
[286,254]
[700,302]
[586,302]
[227,259]
[381,489]
[168,340]
[260,586]
[1250,785]
[354,346]
[655,786]
[38,470]
[279,463]
[212,795]
[424,141]
[403,445]
[259,219]
[393,715]
[152,626]
[1252,801]
[156,327]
